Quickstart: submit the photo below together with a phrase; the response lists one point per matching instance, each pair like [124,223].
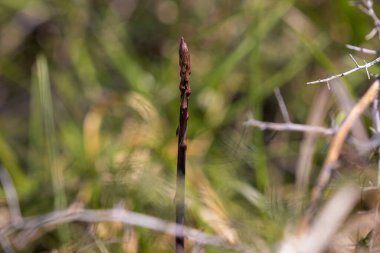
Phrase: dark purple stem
[184,87]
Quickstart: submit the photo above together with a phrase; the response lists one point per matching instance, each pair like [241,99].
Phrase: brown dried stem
[330,163]
[184,87]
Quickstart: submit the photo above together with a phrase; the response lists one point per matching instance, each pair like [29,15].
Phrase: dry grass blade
[11,195]
[317,113]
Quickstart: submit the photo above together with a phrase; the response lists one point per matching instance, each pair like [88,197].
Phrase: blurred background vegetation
[89,105]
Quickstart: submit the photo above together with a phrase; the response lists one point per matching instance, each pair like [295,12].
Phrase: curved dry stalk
[330,163]
[117,214]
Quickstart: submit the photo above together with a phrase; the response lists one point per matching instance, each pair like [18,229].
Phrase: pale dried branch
[362,49]
[289,127]
[374,17]
[371,34]
[366,6]
[116,214]
[359,67]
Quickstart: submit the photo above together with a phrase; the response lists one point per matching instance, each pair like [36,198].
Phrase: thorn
[356,63]
[366,69]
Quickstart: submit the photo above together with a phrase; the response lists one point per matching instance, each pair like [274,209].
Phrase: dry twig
[116,214]
[289,127]
[359,67]
[366,6]
[362,50]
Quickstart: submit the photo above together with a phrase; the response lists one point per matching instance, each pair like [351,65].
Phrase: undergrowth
[89,111]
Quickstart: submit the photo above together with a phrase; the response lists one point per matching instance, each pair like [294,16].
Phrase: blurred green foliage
[89,108]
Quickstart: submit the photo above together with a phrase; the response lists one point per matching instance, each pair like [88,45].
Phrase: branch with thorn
[366,6]
[358,67]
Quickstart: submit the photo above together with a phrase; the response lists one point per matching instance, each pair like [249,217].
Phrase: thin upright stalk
[184,87]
